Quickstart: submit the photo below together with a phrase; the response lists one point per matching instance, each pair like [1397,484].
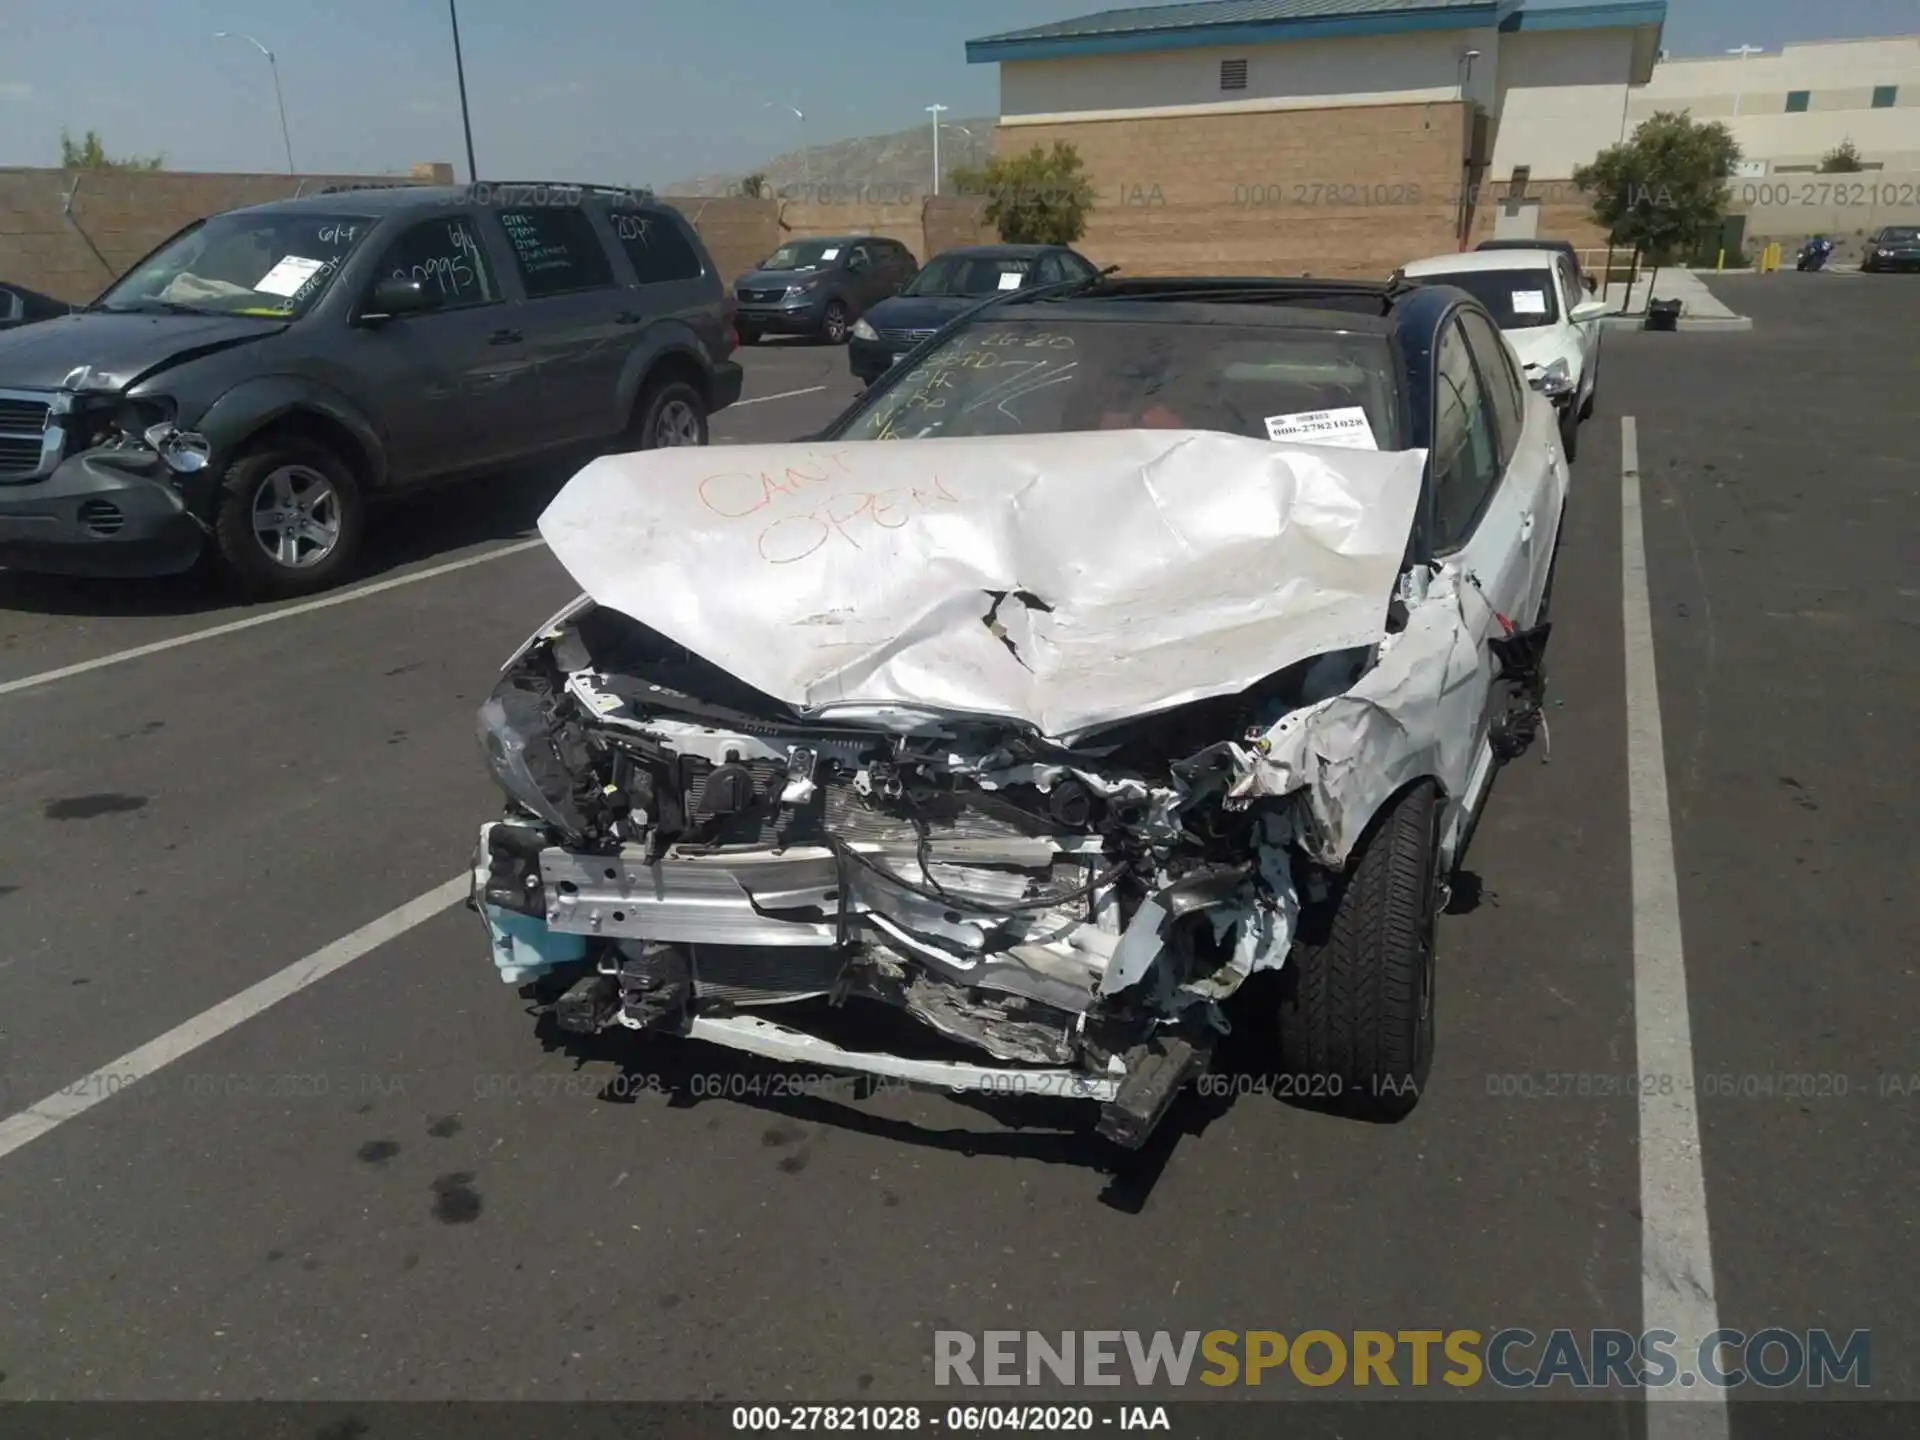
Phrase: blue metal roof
[1228,22]
[1252,22]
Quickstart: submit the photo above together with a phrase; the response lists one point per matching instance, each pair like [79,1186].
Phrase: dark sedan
[1892,247]
[953,283]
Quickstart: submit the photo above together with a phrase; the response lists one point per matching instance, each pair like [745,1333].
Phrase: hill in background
[893,164]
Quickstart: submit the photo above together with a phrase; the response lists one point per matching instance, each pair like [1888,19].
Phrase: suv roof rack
[592,187]
[408,184]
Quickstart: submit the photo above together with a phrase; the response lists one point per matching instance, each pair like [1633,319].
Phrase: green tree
[755,186]
[1039,198]
[88,153]
[1843,159]
[1664,192]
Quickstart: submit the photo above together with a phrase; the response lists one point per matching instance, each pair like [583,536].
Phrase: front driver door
[446,387]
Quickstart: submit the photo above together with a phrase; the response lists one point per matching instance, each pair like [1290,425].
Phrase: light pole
[460,73]
[1740,83]
[935,111]
[806,155]
[278,98]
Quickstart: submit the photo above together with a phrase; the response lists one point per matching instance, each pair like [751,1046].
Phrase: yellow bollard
[1720,260]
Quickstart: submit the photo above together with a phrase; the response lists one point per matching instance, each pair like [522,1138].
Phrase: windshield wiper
[165,307]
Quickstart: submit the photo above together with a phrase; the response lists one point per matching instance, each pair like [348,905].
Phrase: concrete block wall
[69,233]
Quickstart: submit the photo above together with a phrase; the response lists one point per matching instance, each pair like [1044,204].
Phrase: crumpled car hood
[1122,573]
[113,350]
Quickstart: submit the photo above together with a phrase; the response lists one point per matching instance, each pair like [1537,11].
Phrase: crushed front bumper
[93,516]
[700,947]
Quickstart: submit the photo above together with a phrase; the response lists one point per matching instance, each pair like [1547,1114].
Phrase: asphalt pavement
[391,1185]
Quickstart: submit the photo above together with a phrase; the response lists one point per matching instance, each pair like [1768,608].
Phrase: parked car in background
[21,306]
[953,282]
[820,287]
[246,389]
[1140,743]
[1892,247]
[1547,316]
[1558,247]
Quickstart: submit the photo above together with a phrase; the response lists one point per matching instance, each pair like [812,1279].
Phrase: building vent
[1233,74]
[1517,186]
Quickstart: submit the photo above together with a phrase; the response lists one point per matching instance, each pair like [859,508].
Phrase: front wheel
[834,324]
[671,414]
[749,334]
[1356,999]
[289,518]
[1570,431]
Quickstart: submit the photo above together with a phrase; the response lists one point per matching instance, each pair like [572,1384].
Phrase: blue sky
[612,90]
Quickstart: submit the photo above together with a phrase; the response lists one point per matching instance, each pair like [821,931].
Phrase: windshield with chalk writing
[246,263]
[1031,377]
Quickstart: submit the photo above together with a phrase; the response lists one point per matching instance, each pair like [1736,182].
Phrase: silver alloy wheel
[677,424]
[296,516]
[834,326]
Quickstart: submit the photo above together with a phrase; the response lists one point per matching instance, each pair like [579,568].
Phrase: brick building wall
[1350,192]
[68,233]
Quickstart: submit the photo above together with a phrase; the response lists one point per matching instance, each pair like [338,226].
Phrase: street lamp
[279,99]
[935,111]
[806,155]
[460,73]
[1740,82]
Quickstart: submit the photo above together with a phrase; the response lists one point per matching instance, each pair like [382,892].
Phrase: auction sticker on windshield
[288,276]
[832,253]
[1011,280]
[1529,302]
[1346,427]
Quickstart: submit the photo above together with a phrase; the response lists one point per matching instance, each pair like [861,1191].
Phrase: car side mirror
[395,296]
[1589,309]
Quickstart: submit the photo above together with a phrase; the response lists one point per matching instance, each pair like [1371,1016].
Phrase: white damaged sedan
[1128,641]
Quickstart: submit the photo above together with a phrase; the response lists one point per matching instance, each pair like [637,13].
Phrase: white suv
[1547,316]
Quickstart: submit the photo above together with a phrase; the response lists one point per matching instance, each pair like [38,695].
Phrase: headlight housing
[863,331]
[517,735]
[1554,379]
[805,287]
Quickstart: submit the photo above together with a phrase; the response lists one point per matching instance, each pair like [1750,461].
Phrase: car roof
[992,252]
[378,199]
[1468,261]
[1281,302]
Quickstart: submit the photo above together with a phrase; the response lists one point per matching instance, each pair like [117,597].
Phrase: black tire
[272,468]
[1356,998]
[1569,432]
[749,334]
[1593,398]
[669,409]
[835,323]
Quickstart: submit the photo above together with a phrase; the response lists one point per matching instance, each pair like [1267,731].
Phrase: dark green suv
[246,389]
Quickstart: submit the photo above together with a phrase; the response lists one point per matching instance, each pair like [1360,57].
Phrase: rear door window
[556,250]
[1502,386]
[444,255]
[1466,452]
[656,247]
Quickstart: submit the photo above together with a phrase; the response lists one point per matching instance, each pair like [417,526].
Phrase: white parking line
[783,395]
[121,657]
[117,1075]
[1676,1253]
